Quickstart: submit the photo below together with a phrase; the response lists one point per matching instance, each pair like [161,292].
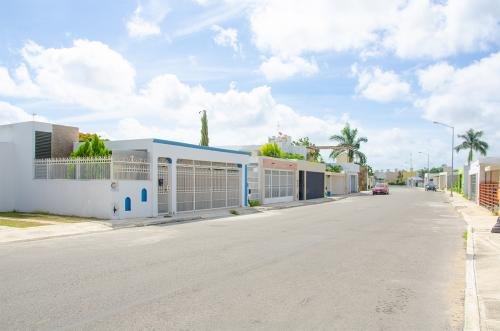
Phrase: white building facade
[142,178]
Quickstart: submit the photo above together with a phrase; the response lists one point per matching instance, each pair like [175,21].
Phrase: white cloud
[277,68]
[226,37]
[463,95]
[21,85]
[382,86]
[437,30]
[88,73]
[91,76]
[146,19]
[410,29]
[435,76]
[10,114]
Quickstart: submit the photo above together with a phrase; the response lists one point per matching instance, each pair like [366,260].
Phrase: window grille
[278,183]
[163,186]
[95,168]
[43,145]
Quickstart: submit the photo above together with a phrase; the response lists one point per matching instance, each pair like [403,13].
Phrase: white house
[345,182]
[483,182]
[272,180]
[143,178]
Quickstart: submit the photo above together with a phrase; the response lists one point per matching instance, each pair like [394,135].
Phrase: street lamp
[452,148]
[428,166]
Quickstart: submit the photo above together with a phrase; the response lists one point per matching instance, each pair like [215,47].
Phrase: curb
[53,237]
[471,305]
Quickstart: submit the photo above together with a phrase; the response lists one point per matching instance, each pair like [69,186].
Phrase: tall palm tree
[349,139]
[472,142]
[204,129]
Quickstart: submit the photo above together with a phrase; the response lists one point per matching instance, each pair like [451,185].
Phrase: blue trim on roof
[215,149]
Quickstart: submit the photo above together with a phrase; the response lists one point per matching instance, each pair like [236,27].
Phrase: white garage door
[207,185]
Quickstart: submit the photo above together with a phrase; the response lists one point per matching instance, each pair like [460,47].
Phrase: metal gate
[207,185]
[473,187]
[353,184]
[315,185]
[163,186]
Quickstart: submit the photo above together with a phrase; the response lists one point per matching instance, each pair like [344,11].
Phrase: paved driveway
[371,262]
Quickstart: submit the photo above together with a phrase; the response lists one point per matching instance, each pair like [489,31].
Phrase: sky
[143,69]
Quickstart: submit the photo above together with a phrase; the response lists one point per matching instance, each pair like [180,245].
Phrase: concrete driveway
[367,263]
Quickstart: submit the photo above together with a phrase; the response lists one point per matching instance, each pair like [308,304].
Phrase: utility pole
[452,151]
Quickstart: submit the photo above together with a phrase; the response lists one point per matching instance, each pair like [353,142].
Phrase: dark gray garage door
[315,183]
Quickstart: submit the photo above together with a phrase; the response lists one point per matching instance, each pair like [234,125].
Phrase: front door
[163,186]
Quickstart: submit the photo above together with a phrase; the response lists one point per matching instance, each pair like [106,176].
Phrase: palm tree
[472,142]
[349,139]
[204,129]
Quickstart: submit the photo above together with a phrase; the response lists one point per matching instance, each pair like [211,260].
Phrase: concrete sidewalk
[12,234]
[217,213]
[486,264]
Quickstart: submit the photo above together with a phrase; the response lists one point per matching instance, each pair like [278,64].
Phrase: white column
[173,185]
[153,177]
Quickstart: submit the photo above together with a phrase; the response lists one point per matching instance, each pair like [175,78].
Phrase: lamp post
[428,167]
[452,147]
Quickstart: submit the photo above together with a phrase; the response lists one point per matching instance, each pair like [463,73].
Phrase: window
[278,183]
[128,204]
[144,195]
[43,145]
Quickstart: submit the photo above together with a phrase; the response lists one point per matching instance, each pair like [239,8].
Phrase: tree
[204,129]
[472,142]
[334,168]
[436,170]
[349,139]
[272,150]
[313,153]
[92,147]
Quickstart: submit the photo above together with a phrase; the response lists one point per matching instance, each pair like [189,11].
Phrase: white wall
[7,187]
[336,183]
[92,198]
[86,198]
[133,189]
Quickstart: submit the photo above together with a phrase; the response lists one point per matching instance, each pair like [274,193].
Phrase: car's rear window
[380,185]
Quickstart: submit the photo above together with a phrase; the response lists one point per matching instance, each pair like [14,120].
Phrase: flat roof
[207,148]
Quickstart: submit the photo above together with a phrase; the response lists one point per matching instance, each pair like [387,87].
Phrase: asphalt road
[364,263]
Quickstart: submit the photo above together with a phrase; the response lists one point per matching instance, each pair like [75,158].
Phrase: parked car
[430,187]
[380,188]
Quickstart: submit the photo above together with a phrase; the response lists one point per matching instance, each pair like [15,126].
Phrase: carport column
[173,185]
[245,185]
[154,179]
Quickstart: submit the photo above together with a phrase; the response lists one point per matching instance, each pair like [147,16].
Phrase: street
[366,263]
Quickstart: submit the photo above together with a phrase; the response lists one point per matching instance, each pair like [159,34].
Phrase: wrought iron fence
[95,168]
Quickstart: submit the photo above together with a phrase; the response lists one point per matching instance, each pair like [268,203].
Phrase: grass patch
[41,216]
[234,212]
[19,224]
[464,235]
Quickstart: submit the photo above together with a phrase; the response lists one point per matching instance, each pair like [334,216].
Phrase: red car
[380,188]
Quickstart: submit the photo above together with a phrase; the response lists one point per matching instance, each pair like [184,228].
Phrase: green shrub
[253,202]
[272,150]
[292,156]
[334,168]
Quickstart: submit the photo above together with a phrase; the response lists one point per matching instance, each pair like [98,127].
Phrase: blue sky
[131,69]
